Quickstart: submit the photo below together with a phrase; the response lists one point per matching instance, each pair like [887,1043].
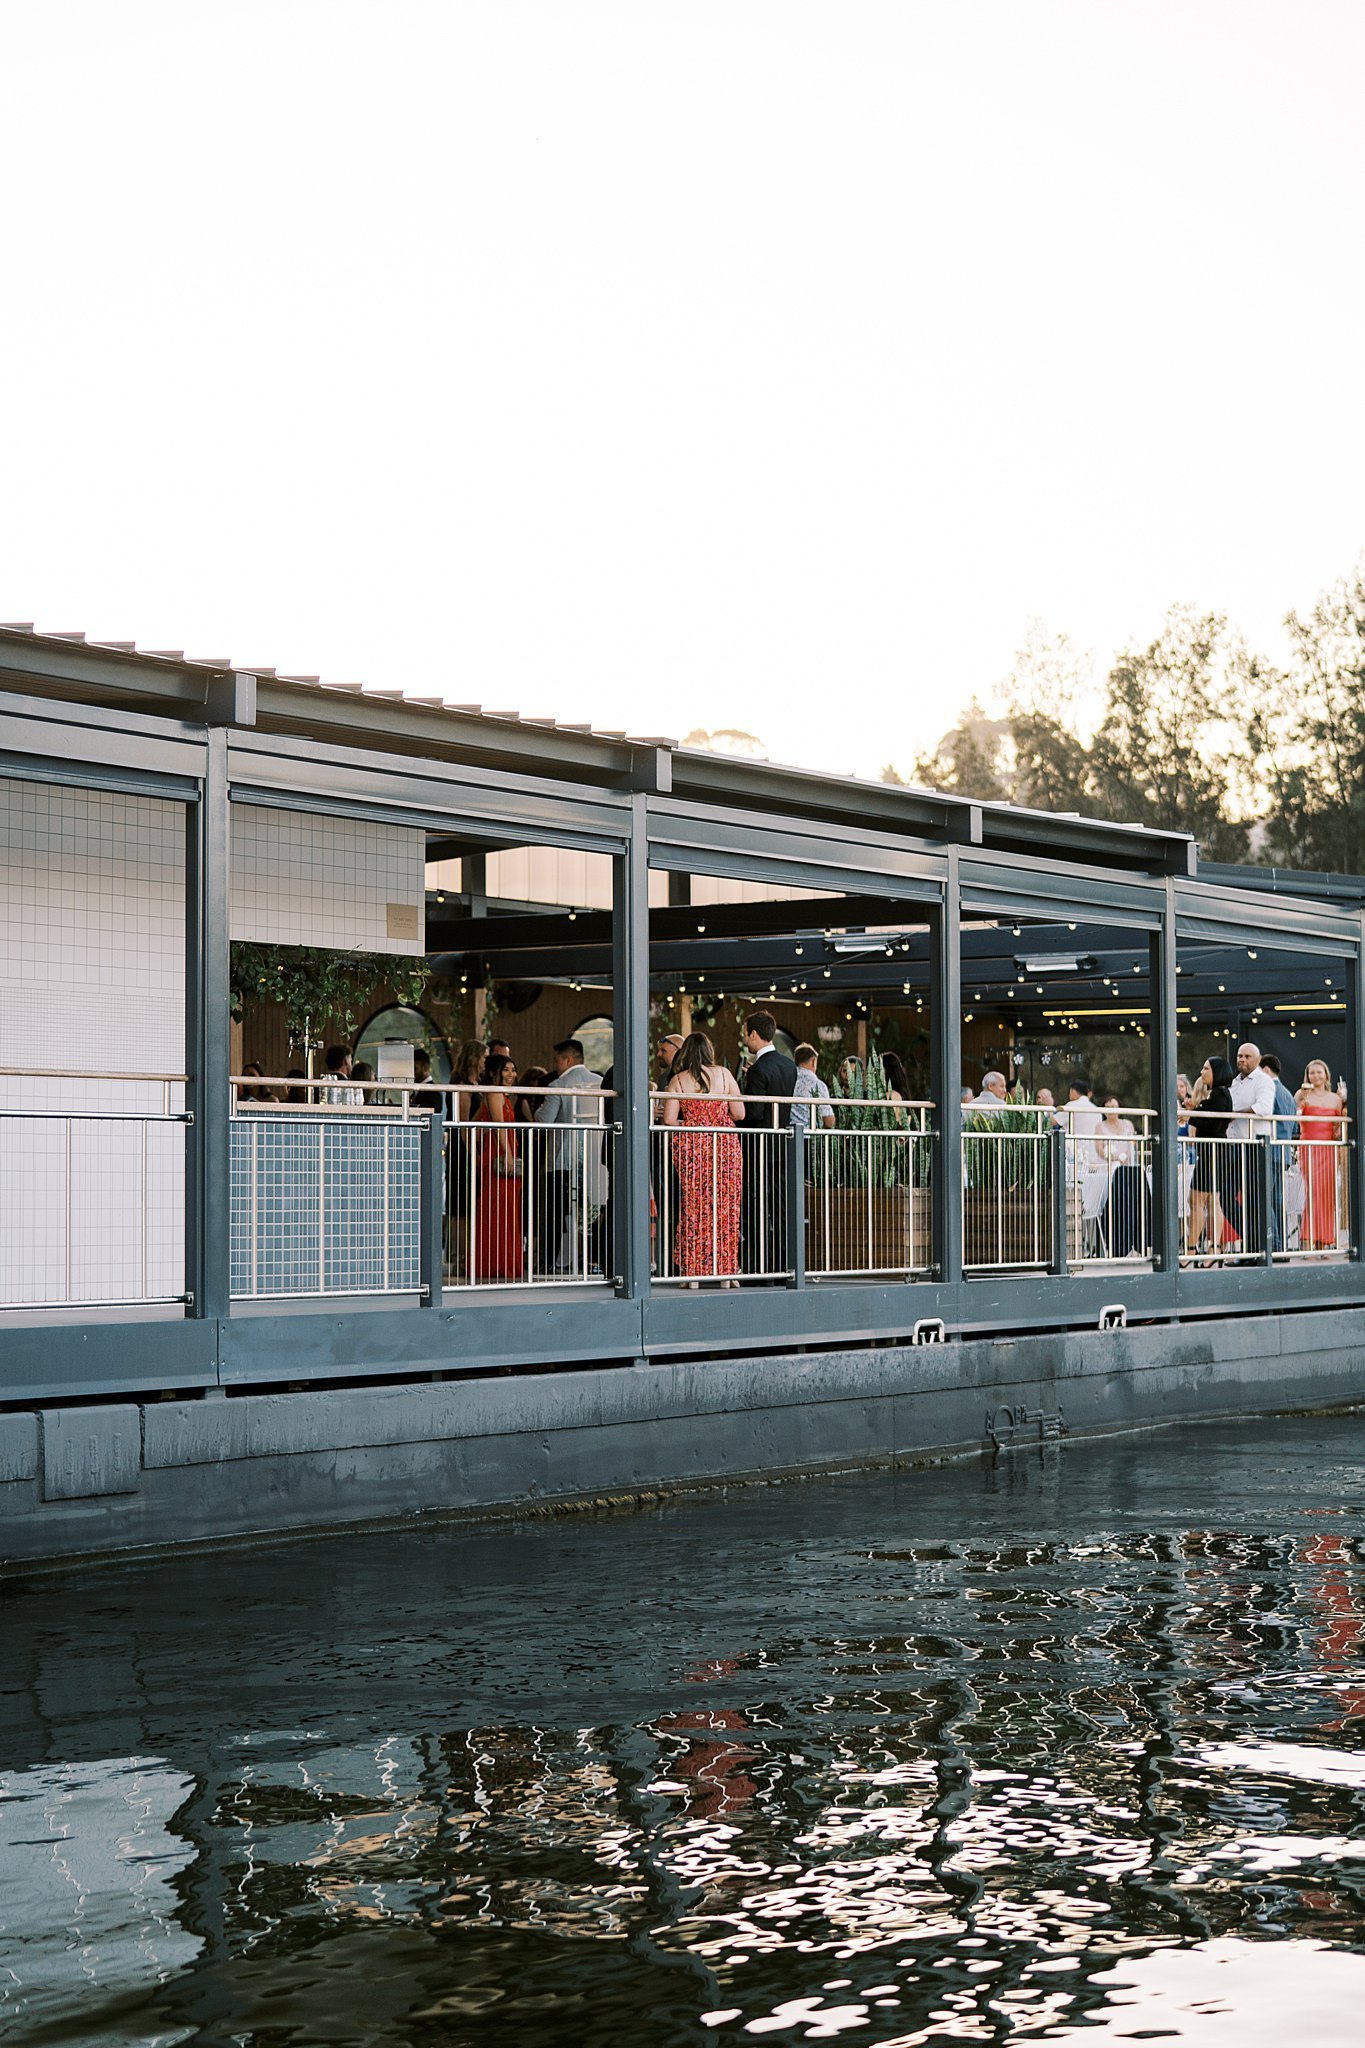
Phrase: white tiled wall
[92,980]
[305,879]
[92,930]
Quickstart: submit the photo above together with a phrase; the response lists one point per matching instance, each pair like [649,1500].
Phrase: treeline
[1196,733]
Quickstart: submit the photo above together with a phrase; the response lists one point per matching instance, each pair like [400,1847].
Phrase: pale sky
[757,363]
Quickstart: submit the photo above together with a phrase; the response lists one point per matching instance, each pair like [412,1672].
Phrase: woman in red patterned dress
[705,1100]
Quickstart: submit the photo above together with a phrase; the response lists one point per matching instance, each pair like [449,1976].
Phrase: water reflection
[797,1764]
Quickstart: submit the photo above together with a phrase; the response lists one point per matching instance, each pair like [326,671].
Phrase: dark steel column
[796,1204]
[945,1059]
[432,1195]
[207,1034]
[1355,1079]
[630,980]
[1165,1065]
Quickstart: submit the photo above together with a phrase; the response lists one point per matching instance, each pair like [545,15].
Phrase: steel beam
[1355,1104]
[630,979]
[945,1059]
[1165,1064]
[208,1051]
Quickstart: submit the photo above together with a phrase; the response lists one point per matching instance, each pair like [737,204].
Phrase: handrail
[100,1116]
[404,1087]
[832,1102]
[1273,1116]
[80,1074]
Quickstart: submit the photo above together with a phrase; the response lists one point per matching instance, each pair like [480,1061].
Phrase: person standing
[573,1100]
[1253,1102]
[994,1096]
[1117,1141]
[705,1100]
[337,1060]
[1213,1185]
[1321,1110]
[496,1190]
[769,1084]
[1284,1131]
[809,1089]
[1085,1168]
[424,1096]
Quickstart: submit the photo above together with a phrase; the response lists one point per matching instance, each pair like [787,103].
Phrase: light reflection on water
[1064,1749]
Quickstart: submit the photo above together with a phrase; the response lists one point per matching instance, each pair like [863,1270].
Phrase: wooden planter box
[1014,1229]
[1000,1228]
[850,1231]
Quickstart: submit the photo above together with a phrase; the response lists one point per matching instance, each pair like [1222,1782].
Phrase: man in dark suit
[769,1077]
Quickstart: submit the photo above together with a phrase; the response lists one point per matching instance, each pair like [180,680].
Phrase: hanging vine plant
[316,985]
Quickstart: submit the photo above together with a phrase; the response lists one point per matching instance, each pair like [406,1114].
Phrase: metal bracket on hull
[1010,1428]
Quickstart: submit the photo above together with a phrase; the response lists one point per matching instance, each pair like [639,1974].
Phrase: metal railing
[1008,1171]
[345,1197]
[528,1202]
[867,1197]
[719,1203]
[92,1201]
[324,1203]
[327,1188]
[1271,1196]
[1109,1189]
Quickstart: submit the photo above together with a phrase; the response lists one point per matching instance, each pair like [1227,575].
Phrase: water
[1066,1749]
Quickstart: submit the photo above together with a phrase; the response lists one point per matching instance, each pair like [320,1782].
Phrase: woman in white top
[1125,1218]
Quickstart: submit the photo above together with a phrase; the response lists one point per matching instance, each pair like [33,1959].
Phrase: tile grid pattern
[324,1205]
[300,878]
[92,981]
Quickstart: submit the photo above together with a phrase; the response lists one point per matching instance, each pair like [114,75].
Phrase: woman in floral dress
[705,1101]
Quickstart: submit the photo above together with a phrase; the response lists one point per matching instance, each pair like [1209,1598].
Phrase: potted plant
[867,1190]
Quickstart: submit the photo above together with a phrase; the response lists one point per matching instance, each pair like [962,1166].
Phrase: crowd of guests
[1227,1211]
[516,1203]
[528,1190]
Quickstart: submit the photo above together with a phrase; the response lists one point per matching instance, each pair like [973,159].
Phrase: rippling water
[1067,1749]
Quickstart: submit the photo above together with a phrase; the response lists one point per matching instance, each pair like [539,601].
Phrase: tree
[1173,740]
[1311,737]
[968,760]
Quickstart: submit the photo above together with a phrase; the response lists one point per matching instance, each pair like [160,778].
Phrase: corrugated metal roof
[781,774]
[176,657]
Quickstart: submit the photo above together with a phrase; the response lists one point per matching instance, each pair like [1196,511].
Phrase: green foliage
[1310,736]
[1194,733]
[1006,1168]
[867,1107]
[320,987]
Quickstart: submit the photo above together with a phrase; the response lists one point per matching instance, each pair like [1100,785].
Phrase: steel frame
[78,716]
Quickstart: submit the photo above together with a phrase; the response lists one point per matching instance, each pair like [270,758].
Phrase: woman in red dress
[499,1252]
[705,1101]
[1320,1114]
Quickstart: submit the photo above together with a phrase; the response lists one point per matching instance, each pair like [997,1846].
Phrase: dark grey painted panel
[458,1336]
[48,1362]
[18,1447]
[261,1463]
[91,1451]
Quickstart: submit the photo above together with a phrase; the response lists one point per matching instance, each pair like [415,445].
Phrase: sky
[762,363]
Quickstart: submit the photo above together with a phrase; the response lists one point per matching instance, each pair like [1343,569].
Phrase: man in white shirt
[1253,1099]
[1085,1168]
[572,1099]
[994,1096]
